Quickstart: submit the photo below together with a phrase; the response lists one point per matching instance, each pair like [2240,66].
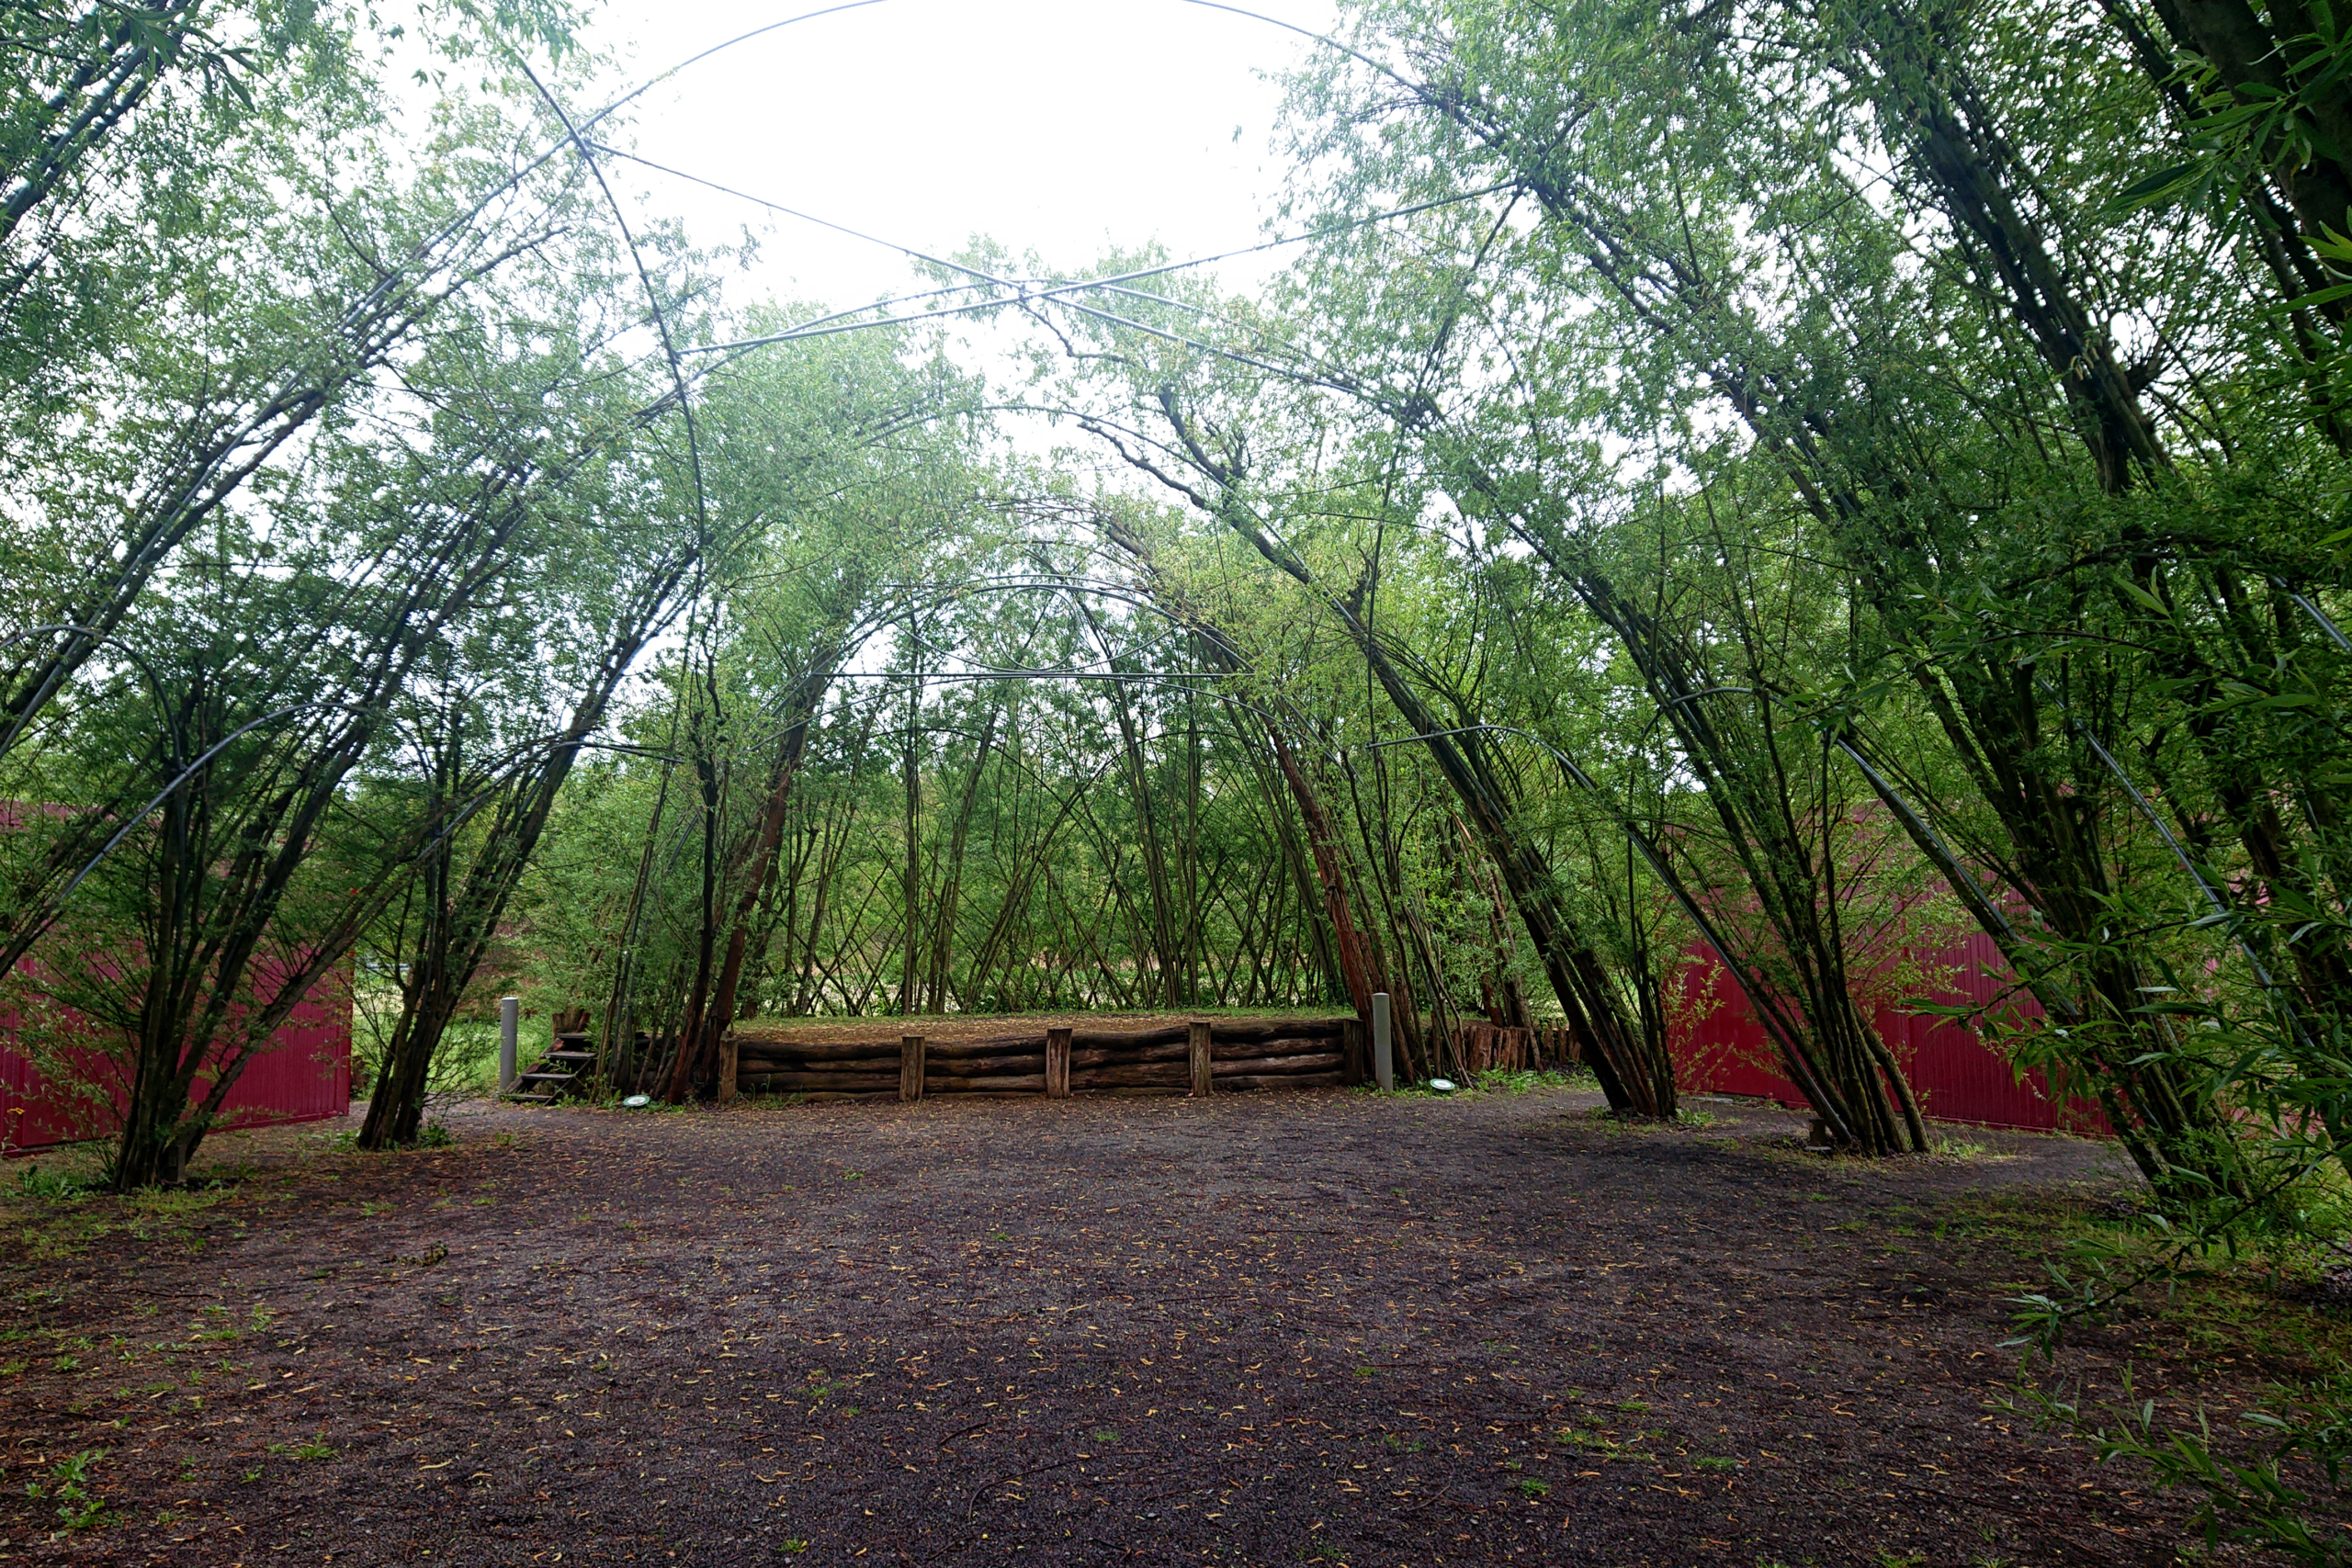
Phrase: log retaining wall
[1204,1056]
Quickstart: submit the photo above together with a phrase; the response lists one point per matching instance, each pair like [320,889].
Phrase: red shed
[1717,1044]
[302,1075]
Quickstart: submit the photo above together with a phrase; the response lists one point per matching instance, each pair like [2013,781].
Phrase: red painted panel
[1718,1045]
[303,1075]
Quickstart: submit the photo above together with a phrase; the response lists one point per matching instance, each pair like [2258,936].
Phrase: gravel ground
[1268,1329]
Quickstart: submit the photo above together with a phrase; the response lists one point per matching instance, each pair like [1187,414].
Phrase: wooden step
[518,1098]
[571,1055]
[547,1077]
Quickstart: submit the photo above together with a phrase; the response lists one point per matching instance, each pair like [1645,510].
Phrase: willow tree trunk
[707,1027]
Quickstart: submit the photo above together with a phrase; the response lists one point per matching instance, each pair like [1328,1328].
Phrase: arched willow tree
[296,412]
[1799,470]
[1900,417]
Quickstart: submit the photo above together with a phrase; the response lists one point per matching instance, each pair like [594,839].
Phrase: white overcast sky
[1066,127]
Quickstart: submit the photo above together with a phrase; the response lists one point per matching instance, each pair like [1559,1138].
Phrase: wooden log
[1356,1047]
[1151,1074]
[1243,1031]
[994,1045]
[1287,1080]
[1105,1055]
[774,1083]
[879,1076]
[911,1066]
[1252,1051]
[981,1066]
[1112,1037]
[746,1066]
[1057,1064]
[1023,1083]
[727,1066]
[826,1096]
[1144,1072]
[880,1066]
[889,1051]
[816,1049]
[1142,1089]
[1320,1062]
[1198,1040]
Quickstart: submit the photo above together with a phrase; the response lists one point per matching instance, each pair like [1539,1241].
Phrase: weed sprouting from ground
[1526,1081]
[79,1506]
[53,1186]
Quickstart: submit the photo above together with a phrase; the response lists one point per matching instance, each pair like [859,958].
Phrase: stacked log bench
[1198,1058]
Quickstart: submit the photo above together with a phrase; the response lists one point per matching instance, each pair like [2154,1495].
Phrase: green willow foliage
[1950,398]
[341,392]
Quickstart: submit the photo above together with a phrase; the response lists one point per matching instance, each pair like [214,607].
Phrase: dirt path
[1265,1330]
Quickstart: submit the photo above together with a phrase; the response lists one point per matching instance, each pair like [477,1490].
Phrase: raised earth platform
[1054,1057]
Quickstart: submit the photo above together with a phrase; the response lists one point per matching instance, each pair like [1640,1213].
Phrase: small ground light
[1442,1086]
[637,1101]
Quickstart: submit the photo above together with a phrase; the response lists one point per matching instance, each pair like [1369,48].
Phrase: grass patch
[47,1221]
[1527,1080]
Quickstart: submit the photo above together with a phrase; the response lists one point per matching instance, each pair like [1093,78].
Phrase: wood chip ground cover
[1312,1327]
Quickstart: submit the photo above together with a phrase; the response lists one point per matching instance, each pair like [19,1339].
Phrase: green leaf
[2152,189]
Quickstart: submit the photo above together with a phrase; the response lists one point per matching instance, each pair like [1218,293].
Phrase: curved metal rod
[644,277]
[457,224]
[2319,616]
[2222,913]
[58,903]
[1022,289]
[154,683]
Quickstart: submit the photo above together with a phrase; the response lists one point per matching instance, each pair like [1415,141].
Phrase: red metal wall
[303,1075]
[1717,1044]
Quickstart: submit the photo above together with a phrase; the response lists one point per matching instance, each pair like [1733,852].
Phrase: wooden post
[1057,1064]
[727,1054]
[1383,1070]
[1196,1037]
[1352,1067]
[910,1066]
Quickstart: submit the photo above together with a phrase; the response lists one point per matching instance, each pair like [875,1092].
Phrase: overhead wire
[1021,290]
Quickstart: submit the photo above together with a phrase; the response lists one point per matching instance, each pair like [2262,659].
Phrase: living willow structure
[1759,477]
[1748,477]
[1762,478]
